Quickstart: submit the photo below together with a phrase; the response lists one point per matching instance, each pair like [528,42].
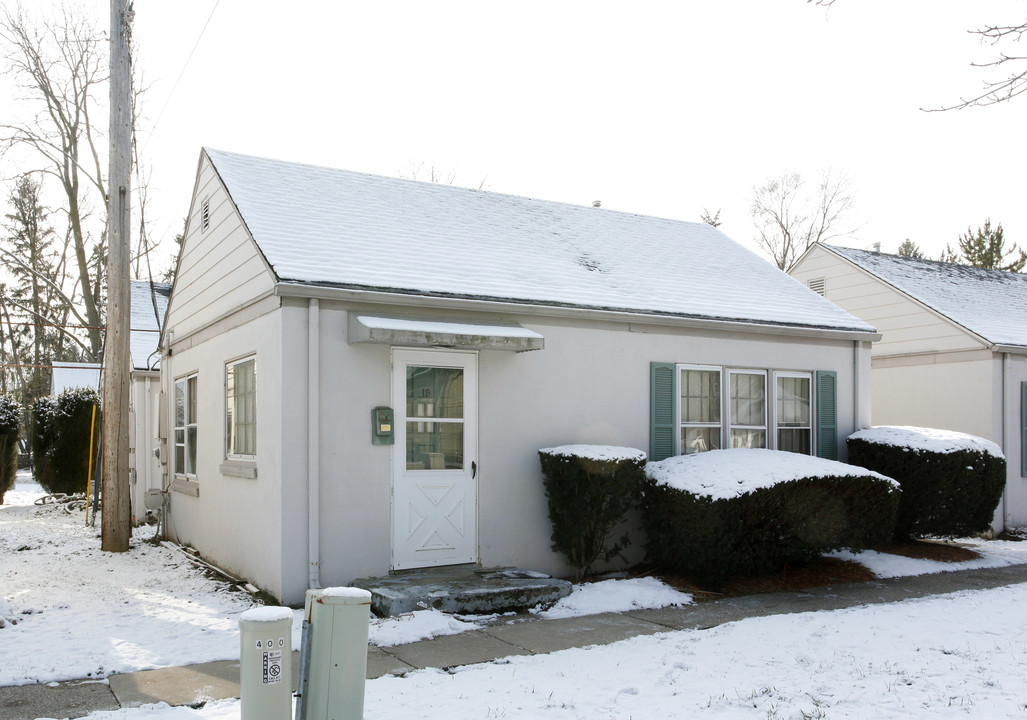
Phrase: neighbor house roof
[147,319]
[989,303]
[321,226]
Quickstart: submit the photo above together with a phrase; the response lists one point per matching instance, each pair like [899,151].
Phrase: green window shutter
[1023,429]
[827,414]
[662,378]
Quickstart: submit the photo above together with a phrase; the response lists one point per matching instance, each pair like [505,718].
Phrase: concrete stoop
[464,590]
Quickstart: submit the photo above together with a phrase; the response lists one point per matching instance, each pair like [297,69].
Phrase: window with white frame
[700,409]
[794,412]
[748,417]
[720,407]
[241,408]
[185,426]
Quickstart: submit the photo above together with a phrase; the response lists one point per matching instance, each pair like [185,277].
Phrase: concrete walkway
[197,684]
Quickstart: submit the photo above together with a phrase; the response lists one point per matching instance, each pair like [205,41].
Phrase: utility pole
[116,517]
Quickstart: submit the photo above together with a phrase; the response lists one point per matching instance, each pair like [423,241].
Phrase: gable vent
[819,286]
[205,213]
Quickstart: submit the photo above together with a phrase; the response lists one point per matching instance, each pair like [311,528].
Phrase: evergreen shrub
[41,439]
[792,522]
[10,430]
[590,489]
[946,494]
[61,439]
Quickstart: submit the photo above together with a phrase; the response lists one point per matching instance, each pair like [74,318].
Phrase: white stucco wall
[234,521]
[946,395]
[144,466]
[589,385]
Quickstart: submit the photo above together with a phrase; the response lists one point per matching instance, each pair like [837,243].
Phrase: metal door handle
[474,469]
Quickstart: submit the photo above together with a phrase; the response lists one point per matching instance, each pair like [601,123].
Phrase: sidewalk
[527,635]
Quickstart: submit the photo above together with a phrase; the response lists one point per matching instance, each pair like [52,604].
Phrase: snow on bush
[929,439]
[729,513]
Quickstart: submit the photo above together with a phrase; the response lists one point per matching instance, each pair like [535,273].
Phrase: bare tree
[1014,65]
[61,66]
[788,220]
[709,219]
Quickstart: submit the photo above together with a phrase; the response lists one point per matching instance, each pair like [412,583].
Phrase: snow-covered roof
[944,442]
[145,328]
[338,228]
[724,474]
[989,303]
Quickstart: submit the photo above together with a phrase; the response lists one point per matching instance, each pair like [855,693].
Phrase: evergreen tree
[910,249]
[986,249]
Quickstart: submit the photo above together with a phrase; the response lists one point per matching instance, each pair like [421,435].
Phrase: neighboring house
[149,303]
[362,369]
[74,375]
[953,351]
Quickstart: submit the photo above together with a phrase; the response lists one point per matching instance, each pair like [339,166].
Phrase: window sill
[241,469]
[186,487]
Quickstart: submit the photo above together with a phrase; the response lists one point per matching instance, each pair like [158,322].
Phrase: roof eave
[304,290]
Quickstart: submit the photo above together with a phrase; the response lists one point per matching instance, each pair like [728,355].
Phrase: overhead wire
[185,67]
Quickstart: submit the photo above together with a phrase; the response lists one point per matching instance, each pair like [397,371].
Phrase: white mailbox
[334,654]
[265,663]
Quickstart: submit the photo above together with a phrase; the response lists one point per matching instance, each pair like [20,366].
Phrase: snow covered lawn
[81,612]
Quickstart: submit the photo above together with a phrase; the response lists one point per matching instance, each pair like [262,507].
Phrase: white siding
[906,326]
[219,269]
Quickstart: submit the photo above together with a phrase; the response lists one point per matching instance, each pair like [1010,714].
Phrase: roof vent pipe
[877,247]
[597,203]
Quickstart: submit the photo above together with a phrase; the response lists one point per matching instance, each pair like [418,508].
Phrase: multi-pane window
[435,418]
[700,409]
[748,409]
[185,426]
[719,407]
[794,414]
[241,408]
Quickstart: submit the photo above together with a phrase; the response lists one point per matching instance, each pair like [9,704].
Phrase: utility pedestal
[265,663]
[333,659]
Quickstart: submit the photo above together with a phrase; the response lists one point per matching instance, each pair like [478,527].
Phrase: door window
[435,418]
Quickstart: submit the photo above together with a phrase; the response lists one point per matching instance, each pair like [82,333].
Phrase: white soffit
[437,333]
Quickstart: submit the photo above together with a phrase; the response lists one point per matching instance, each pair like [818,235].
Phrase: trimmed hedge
[713,540]
[590,489]
[10,430]
[60,439]
[946,494]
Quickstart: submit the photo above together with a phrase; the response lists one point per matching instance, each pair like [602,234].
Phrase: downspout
[857,385]
[1007,441]
[313,443]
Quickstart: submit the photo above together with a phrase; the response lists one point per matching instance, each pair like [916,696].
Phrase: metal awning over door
[443,334]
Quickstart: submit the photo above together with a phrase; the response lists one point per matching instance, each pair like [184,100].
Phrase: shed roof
[344,229]
[989,303]
[146,321]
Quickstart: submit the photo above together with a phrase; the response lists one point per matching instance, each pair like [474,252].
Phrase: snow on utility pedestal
[333,658]
[265,663]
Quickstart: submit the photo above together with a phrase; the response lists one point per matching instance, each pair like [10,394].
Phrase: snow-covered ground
[82,612]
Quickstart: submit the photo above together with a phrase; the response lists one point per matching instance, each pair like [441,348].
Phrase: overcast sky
[661,108]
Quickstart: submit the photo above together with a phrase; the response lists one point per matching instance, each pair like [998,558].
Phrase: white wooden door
[434,483]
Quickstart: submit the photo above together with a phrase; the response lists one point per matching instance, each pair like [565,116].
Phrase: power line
[180,74]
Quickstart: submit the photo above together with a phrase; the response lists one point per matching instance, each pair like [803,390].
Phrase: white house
[362,369]
[149,303]
[953,348]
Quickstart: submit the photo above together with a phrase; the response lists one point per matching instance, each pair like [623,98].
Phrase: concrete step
[462,589]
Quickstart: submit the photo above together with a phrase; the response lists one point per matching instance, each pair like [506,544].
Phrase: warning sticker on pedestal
[272,667]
